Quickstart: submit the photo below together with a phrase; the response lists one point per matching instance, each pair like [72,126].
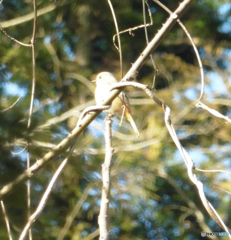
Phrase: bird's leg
[109,117]
[122,117]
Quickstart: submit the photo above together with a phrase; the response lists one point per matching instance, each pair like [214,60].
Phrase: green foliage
[152,196]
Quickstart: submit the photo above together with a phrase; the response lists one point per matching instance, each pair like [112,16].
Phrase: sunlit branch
[130,30]
[66,142]
[188,161]
[14,39]
[6,221]
[31,106]
[147,40]
[45,197]
[11,105]
[70,218]
[103,219]
[118,36]
[193,45]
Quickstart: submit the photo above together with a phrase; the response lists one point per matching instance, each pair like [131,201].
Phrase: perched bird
[120,105]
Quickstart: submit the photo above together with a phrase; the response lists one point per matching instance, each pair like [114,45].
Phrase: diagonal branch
[65,143]
[45,196]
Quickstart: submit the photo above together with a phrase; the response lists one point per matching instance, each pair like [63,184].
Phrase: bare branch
[6,221]
[195,210]
[92,235]
[190,165]
[147,40]
[18,153]
[106,179]
[222,190]
[73,213]
[188,161]
[194,47]
[55,58]
[63,145]
[134,28]
[31,106]
[13,39]
[11,105]
[213,171]
[118,37]
[33,63]
[64,116]
[46,195]
[213,112]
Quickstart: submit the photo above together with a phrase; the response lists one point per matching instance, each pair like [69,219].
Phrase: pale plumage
[104,82]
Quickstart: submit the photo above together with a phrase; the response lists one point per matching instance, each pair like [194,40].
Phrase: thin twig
[135,28]
[46,195]
[18,153]
[13,39]
[43,201]
[212,111]
[106,180]
[31,107]
[147,40]
[213,171]
[73,213]
[193,45]
[118,37]
[65,115]
[223,190]
[55,58]
[92,235]
[33,64]
[6,221]
[194,208]
[11,105]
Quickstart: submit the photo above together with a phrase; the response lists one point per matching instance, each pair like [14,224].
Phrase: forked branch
[65,143]
[188,161]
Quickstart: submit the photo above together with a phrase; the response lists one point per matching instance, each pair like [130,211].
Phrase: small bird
[120,105]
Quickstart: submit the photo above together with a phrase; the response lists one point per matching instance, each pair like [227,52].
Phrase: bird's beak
[93,81]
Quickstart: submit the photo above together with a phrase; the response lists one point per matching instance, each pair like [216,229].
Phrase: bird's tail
[130,119]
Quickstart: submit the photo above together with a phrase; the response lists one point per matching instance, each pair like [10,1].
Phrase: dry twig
[106,180]
[6,221]
[73,213]
[11,105]
[118,37]
[188,161]
[65,143]
[147,40]
[31,104]
[46,195]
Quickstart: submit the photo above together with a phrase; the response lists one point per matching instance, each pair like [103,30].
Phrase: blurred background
[151,196]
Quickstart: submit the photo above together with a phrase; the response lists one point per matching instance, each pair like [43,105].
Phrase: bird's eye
[100,77]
